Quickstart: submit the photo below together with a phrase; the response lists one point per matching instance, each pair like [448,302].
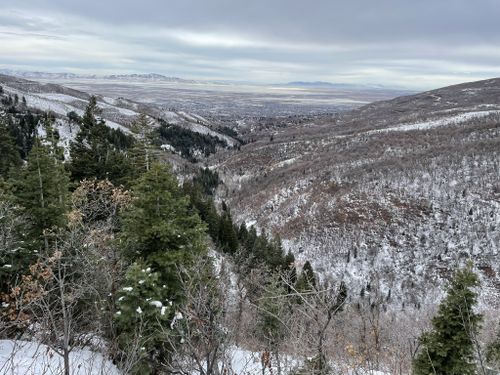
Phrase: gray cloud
[419,44]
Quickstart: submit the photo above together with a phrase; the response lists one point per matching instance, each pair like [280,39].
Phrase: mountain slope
[392,196]
[117,112]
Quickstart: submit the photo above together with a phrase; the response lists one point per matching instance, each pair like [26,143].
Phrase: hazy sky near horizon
[414,44]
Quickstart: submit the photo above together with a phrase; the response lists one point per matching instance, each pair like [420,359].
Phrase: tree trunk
[42,201]
[66,362]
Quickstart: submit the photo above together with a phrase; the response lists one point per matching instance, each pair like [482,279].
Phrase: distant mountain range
[121,77]
[330,85]
[162,78]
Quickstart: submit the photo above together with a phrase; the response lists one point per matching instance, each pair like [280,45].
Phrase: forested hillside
[115,261]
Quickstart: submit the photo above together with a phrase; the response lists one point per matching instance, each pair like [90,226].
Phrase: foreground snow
[31,358]
[245,362]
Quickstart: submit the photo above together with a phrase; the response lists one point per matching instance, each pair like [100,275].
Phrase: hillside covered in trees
[106,252]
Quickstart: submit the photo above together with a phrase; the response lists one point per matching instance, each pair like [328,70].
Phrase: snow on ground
[109,100]
[244,362]
[197,128]
[187,116]
[115,125]
[198,117]
[31,358]
[58,103]
[167,147]
[123,111]
[67,134]
[60,97]
[241,361]
[170,117]
[457,119]
[43,103]
[284,163]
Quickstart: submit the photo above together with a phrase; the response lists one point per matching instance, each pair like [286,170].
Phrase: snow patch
[457,119]
[24,357]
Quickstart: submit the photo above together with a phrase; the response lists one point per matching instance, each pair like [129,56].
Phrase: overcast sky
[407,43]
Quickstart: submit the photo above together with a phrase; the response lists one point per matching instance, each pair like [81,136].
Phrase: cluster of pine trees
[248,249]
[189,144]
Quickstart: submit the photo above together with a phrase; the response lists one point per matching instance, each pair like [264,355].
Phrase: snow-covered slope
[61,101]
[394,195]
[119,113]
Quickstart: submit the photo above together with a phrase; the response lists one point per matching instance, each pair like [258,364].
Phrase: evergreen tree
[209,215]
[273,309]
[89,117]
[228,238]
[141,154]
[448,348]
[160,227]
[243,233]
[23,129]
[251,238]
[307,279]
[275,255]
[14,256]
[141,125]
[10,157]
[73,117]
[97,150]
[52,135]
[41,188]
[143,313]
[140,158]
[207,180]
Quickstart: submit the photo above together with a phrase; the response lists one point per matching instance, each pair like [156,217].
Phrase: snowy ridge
[118,113]
[197,128]
[62,104]
[426,125]
[45,104]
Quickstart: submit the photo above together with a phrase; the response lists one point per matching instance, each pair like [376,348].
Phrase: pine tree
[275,255]
[89,117]
[228,238]
[160,227]
[97,150]
[24,132]
[10,157]
[142,125]
[273,310]
[448,349]
[205,207]
[141,154]
[14,256]
[140,158]
[41,188]
[143,313]
[52,135]
[307,279]
[243,233]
